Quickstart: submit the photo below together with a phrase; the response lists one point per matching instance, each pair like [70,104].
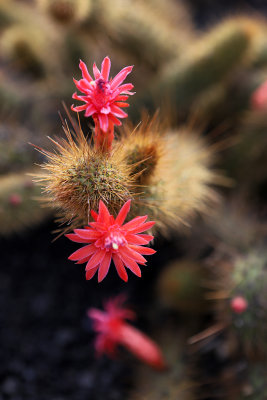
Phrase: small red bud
[239,304]
[15,199]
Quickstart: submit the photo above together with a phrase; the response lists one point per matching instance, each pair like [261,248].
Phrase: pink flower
[103,98]
[110,240]
[239,304]
[113,330]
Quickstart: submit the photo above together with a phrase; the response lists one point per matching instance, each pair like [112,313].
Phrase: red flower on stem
[113,330]
[111,240]
[103,98]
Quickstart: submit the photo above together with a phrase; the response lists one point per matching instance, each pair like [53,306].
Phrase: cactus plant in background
[19,208]
[164,170]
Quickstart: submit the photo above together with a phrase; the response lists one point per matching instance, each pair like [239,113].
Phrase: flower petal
[85,72]
[126,89]
[95,259]
[136,239]
[82,253]
[96,71]
[123,213]
[134,223]
[105,68]
[75,238]
[131,253]
[120,77]
[103,213]
[84,260]
[78,108]
[88,234]
[131,264]
[143,250]
[120,267]
[104,266]
[122,97]
[90,110]
[103,120]
[89,274]
[143,227]
[115,120]
[121,104]
[118,112]
[84,86]
[94,215]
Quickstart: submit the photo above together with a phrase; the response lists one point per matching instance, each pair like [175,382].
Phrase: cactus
[30,48]
[77,177]
[142,31]
[250,282]
[247,159]
[173,180]
[67,11]
[19,208]
[15,152]
[204,64]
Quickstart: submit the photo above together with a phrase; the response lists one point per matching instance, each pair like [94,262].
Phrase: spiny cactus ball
[77,177]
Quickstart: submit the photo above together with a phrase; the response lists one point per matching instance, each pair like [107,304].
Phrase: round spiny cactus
[143,148]
[173,176]
[77,177]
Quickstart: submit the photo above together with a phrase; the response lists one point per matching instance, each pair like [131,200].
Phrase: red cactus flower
[239,304]
[110,240]
[103,98]
[113,330]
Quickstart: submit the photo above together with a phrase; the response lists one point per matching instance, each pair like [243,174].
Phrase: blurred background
[202,64]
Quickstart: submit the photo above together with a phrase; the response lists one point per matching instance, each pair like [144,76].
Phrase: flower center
[114,240]
[101,94]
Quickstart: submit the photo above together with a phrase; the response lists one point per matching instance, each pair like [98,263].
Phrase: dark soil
[47,350]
